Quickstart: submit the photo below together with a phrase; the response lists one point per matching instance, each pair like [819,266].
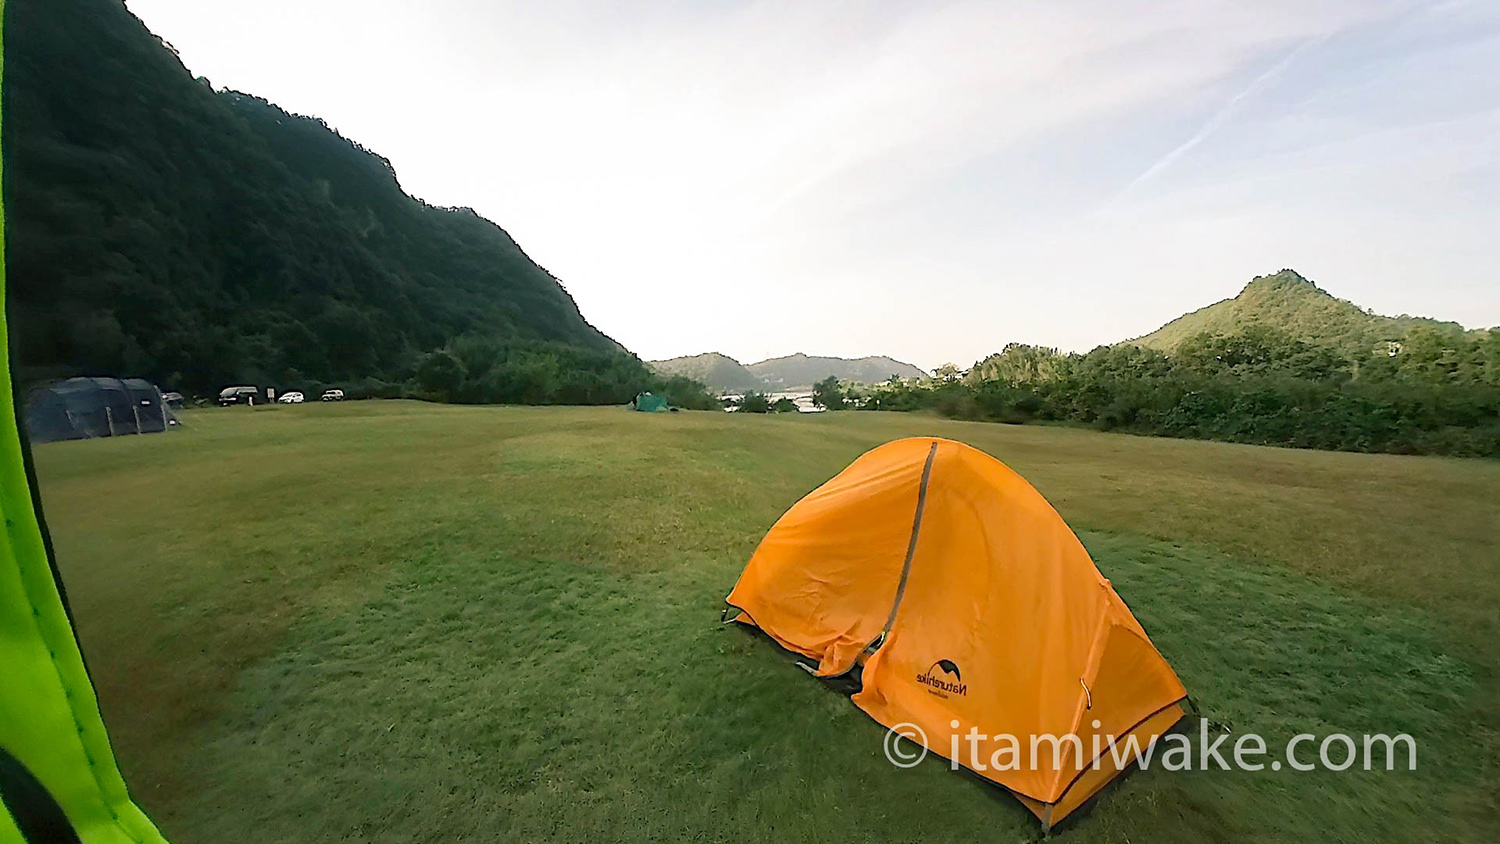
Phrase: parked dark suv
[238,395]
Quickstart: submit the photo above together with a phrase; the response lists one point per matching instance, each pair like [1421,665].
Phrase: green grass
[390,621]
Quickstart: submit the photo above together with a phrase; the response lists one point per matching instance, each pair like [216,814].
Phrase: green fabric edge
[49,715]
[9,834]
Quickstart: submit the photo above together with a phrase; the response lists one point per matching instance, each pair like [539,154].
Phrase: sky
[929,181]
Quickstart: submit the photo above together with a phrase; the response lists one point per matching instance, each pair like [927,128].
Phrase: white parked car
[333,395]
[293,397]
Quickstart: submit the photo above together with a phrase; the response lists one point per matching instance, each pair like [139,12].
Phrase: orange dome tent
[962,601]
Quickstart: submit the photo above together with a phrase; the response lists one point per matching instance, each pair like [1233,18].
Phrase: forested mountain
[718,371]
[1284,363]
[156,227]
[801,371]
[1290,303]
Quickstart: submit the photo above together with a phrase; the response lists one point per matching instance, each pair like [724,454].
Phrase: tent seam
[911,545]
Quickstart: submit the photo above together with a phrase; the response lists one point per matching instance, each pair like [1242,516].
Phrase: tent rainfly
[81,408]
[945,589]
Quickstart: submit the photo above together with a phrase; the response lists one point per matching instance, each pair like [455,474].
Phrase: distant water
[802,398]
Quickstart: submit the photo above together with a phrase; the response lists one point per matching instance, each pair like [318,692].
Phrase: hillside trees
[827,394]
[1437,394]
[755,402]
[482,370]
[156,227]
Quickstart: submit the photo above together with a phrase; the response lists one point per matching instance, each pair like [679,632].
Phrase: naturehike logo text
[942,679]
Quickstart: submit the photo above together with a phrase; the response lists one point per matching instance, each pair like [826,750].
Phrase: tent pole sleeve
[911,549]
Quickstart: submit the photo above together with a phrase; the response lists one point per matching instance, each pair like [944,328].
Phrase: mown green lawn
[389,621]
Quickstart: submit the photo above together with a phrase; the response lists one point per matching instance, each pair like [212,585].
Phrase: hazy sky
[925,180]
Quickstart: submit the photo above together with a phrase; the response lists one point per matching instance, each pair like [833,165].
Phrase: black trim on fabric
[911,545]
[911,551]
[41,524]
[1133,727]
[35,811]
[1086,808]
[18,407]
[847,684]
[965,770]
[852,673]
[728,606]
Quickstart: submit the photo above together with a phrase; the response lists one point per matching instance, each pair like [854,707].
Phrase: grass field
[388,621]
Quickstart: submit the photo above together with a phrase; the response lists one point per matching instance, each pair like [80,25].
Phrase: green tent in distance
[648,403]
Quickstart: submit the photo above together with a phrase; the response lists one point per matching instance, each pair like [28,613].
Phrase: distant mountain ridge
[712,369]
[800,370]
[1289,302]
[793,372]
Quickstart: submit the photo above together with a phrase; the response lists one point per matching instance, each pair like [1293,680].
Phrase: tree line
[1435,392]
[483,370]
